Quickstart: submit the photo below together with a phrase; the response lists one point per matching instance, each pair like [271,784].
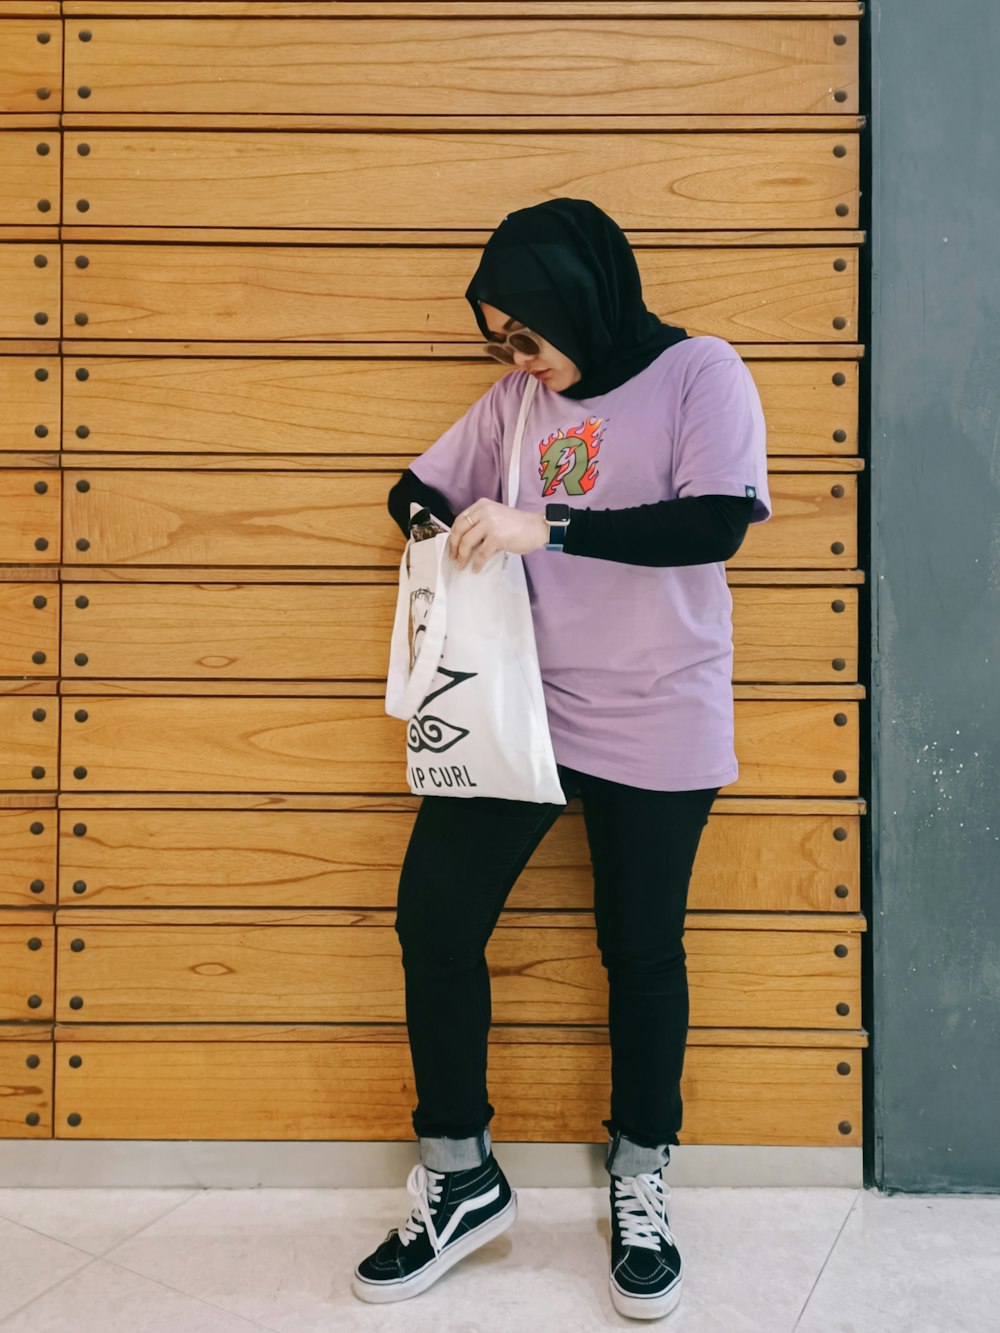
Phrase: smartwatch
[557,517]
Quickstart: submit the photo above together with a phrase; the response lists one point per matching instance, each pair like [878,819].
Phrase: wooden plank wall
[234,238]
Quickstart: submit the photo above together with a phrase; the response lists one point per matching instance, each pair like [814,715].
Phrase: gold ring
[469,520]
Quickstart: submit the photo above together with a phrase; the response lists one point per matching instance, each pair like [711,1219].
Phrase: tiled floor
[229,1261]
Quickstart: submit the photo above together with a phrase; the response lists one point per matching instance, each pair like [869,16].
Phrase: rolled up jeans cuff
[442,1154]
[625,1158]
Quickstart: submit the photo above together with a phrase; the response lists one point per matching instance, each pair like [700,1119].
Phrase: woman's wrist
[541,531]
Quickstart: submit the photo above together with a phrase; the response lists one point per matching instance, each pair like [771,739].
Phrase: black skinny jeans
[464,856]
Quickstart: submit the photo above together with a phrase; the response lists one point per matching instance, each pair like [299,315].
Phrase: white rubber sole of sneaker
[378,1293]
[646,1307]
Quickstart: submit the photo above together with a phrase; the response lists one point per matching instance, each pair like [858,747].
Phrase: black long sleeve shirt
[693,530]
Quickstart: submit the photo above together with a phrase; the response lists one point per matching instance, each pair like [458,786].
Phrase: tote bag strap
[405,689]
[514,472]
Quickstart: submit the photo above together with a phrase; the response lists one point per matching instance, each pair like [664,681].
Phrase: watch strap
[557,533]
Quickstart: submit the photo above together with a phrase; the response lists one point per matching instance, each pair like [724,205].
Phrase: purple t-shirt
[636,661]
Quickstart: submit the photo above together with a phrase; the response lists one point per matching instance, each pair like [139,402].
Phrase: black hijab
[565,269]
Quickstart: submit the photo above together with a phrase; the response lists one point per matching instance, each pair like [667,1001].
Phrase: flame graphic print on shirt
[569,457]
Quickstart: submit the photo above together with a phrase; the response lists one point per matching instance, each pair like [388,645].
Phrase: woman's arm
[410,487]
[718,474]
[694,530]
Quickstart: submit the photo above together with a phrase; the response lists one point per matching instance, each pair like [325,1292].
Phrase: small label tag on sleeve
[751,493]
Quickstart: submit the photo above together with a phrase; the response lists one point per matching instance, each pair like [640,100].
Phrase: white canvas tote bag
[469,684]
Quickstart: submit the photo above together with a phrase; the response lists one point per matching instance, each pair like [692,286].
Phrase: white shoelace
[641,1206]
[424,1186]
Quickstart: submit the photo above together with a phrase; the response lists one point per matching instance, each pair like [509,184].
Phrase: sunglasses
[503,346]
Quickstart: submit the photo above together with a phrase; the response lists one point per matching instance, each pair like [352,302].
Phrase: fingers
[477,545]
[465,523]
[478,542]
[463,539]
[484,552]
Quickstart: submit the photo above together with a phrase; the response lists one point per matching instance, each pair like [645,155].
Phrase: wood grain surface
[29,626]
[452,66]
[30,514]
[29,280]
[341,406]
[221,632]
[340,520]
[28,65]
[304,293]
[29,748]
[189,743]
[449,181]
[29,839]
[363,1090]
[30,402]
[30,169]
[252,228]
[346,858]
[540,973]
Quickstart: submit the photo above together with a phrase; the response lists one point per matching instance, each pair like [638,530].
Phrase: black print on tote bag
[434,733]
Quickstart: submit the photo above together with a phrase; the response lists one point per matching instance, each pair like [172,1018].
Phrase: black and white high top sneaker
[646,1273]
[454,1213]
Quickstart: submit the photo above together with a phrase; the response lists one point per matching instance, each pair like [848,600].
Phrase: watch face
[557,513]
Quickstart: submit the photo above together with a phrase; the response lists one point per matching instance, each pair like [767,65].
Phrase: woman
[632,619]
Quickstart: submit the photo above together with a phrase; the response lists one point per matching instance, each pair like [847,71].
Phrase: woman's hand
[487,527]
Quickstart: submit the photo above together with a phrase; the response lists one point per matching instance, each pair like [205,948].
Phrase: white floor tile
[816,1209]
[106,1299]
[30,1263]
[283,1258]
[229,1261]
[919,1263]
[753,1255]
[70,1215]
